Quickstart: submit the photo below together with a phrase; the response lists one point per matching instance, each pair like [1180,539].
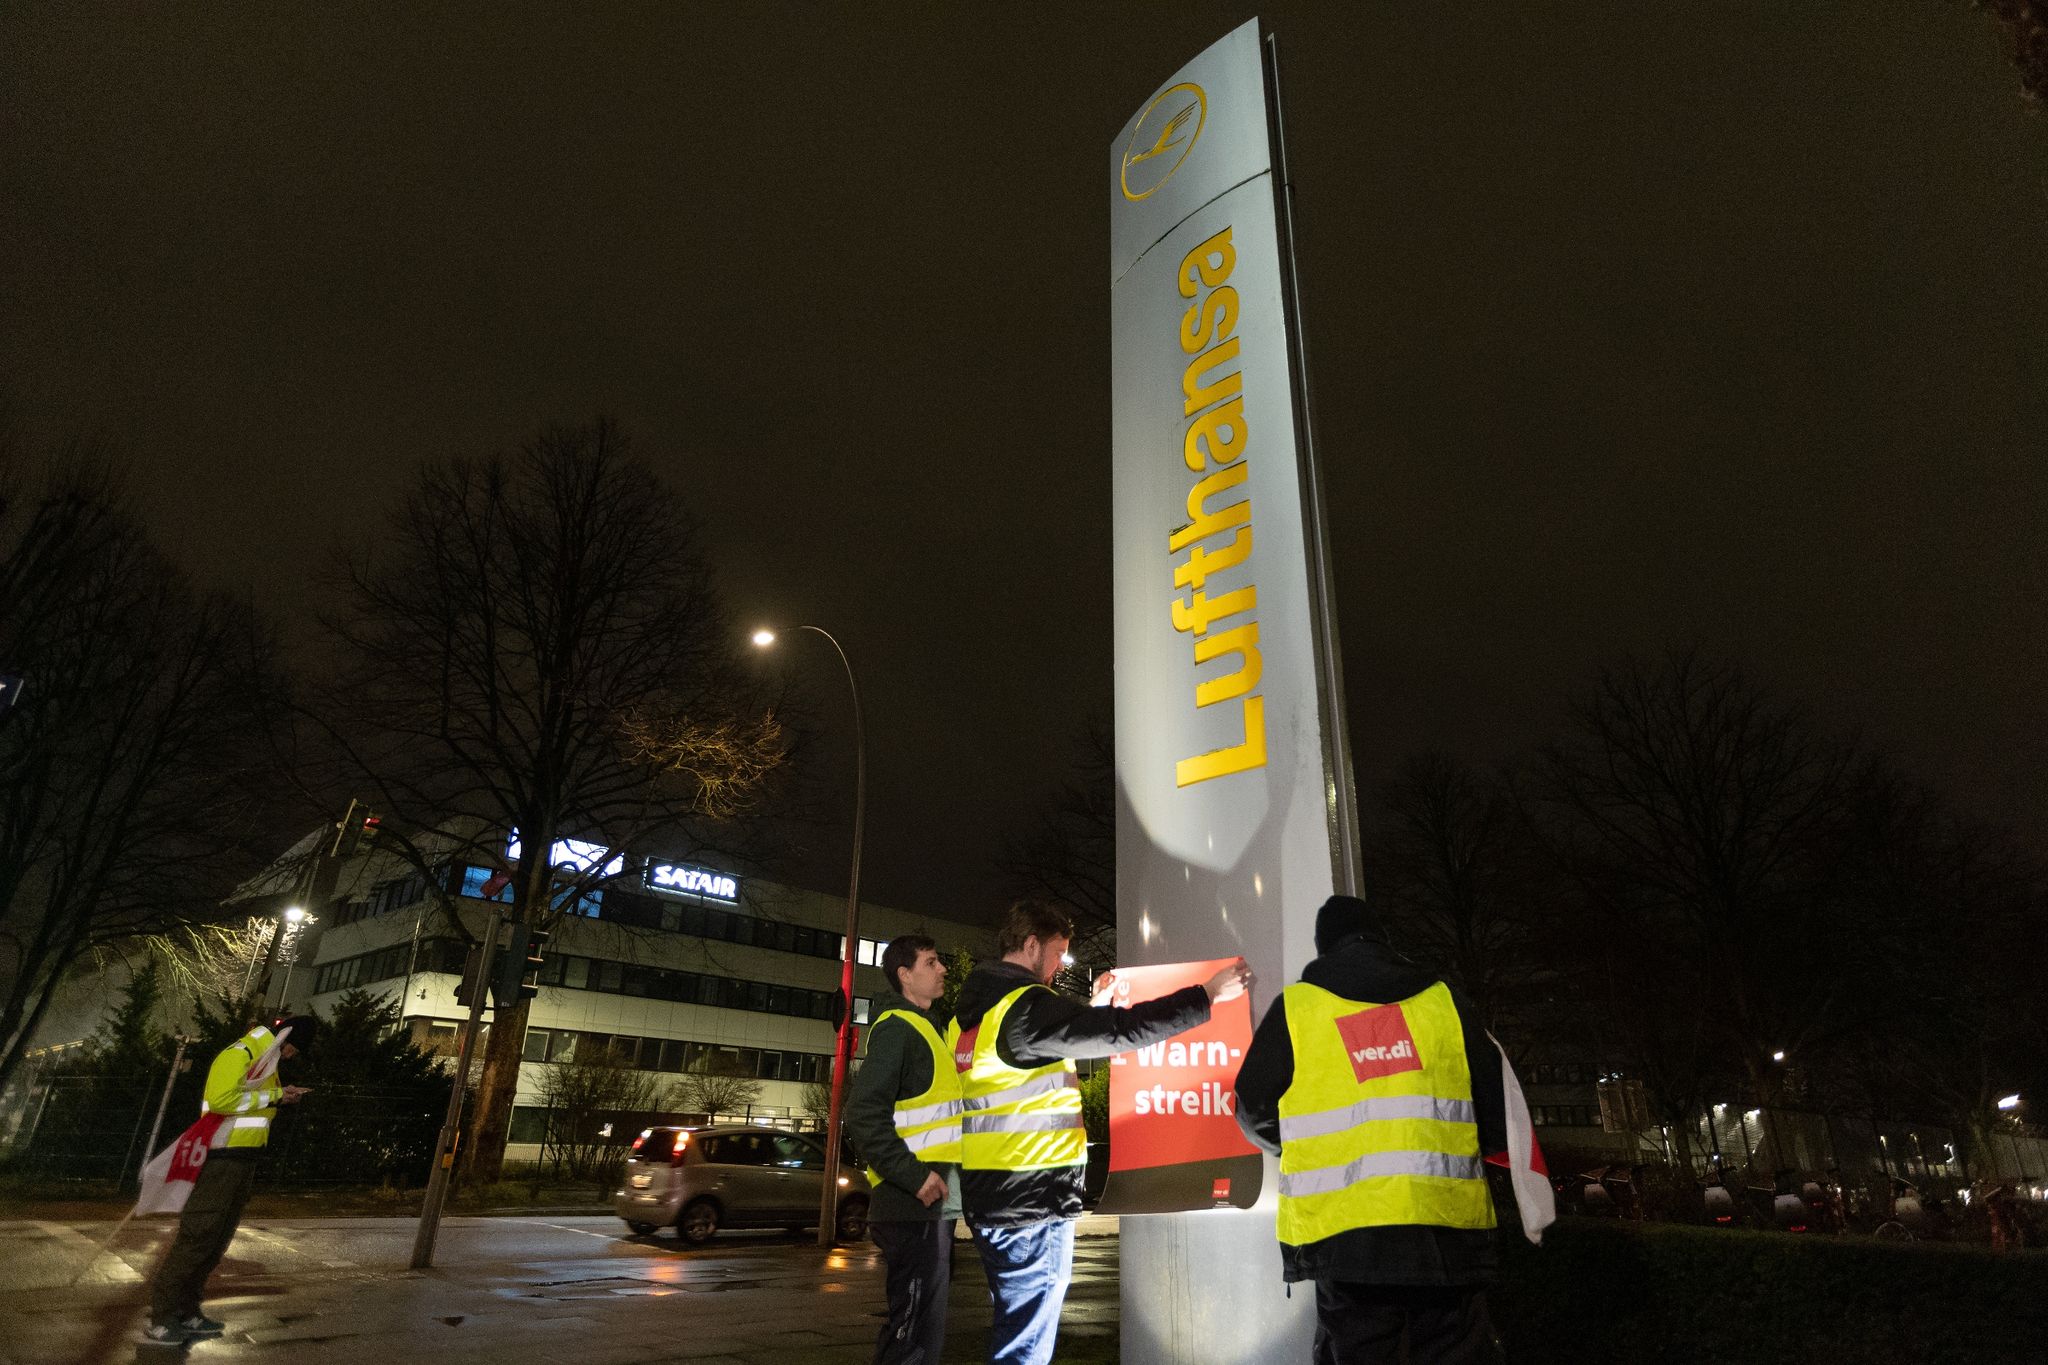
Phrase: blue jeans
[1028,1269]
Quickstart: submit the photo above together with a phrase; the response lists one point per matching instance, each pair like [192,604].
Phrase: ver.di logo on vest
[1165,134]
[1378,1042]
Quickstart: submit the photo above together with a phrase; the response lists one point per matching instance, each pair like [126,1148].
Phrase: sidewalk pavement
[512,1290]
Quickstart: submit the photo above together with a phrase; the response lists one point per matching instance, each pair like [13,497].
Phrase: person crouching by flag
[1384,1098]
[206,1175]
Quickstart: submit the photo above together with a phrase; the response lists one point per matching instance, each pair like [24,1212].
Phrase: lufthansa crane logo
[1165,134]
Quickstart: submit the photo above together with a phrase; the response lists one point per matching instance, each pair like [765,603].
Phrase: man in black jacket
[906,1093]
[1374,1283]
[1024,1156]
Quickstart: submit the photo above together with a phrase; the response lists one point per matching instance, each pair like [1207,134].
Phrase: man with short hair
[904,1118]
[1024,1151]
[243,1089]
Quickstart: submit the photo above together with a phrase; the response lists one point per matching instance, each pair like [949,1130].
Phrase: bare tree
[1951,1015]
[1068,855]
[711,1094]
[2026,33]
[1450,861]
[587,1094]
[131,770]
[535,646]
[1701,822]
[817,1101]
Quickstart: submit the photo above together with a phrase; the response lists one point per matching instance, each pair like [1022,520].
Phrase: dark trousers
[920,1259]
[1363,1324]
[204,1231]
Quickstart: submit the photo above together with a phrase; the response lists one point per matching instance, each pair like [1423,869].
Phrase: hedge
[1599,1291]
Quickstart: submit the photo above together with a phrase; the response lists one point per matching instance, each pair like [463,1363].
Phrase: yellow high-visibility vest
[929,1124]
[1377,1127]
[1016,1119]
[249,1105]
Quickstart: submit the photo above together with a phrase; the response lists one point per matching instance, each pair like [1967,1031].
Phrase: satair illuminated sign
[685,880]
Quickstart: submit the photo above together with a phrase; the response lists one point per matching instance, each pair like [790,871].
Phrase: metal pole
[277,925]
[842,1051]
[177,1065]
[444,1145]
[250,971]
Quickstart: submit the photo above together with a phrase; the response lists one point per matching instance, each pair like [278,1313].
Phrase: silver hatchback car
[699,1180]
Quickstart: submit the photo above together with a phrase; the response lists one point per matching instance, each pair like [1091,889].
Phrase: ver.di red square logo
[1378,1042]
[963,1050]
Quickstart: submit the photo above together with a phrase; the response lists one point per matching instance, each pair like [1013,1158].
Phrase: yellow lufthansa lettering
[1196,271]
[1200,564]
[1216,436]
[1243,642]
[1214,445]
[1238,758]
[1201,611]
[1209,320]
[1199,395]
[1202,523]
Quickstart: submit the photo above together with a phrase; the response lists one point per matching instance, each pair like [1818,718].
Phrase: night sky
[1629,326]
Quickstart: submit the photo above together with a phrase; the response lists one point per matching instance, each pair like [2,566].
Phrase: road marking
[271,1239]
[108,1269]
[580,1232]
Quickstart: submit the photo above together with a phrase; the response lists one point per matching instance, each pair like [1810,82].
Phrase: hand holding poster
[1174,1143]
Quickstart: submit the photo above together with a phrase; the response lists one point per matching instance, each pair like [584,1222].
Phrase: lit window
[473,879]
[860,1010]
[865,954]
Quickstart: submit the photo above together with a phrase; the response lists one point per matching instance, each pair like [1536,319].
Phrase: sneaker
[165,1334]
[199,1325]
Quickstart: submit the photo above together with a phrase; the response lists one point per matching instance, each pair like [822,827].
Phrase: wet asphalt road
[537,1287]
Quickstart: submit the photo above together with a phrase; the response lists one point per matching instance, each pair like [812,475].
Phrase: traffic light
[358,833]
[472,977]
[517,978]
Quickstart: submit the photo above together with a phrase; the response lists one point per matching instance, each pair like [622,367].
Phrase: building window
[473,879]
[529,1124]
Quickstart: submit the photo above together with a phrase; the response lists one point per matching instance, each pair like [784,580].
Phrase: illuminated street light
[294,915]
[2009,1102]
[842,1051]
[1778,1056]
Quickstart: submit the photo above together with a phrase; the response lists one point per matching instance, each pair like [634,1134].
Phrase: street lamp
[842,1051]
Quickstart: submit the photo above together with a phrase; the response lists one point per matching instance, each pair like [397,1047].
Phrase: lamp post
[294,918]
[842,1051]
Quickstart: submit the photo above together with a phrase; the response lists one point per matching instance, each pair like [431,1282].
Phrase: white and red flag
[1524,1158]
[167,1181]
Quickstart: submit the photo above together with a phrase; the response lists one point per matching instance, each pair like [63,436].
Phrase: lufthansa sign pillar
[1234,809]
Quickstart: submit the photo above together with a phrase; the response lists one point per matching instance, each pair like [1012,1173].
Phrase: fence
[88,1135]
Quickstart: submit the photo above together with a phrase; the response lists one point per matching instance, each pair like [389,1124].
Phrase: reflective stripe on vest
[256,1105]
[929,1124]
[1377,1127]
[1018,1119]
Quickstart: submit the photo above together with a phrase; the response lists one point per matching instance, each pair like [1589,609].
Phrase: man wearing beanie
[242,1087]
[1374,1083]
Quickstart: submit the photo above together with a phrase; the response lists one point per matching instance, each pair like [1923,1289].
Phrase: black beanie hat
[1341,917]
[305,1029]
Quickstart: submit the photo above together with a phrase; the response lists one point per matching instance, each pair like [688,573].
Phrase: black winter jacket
[1410,1254]
[1045,1027]
[898,1065]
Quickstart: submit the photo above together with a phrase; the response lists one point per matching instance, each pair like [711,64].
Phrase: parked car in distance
[698,1180]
